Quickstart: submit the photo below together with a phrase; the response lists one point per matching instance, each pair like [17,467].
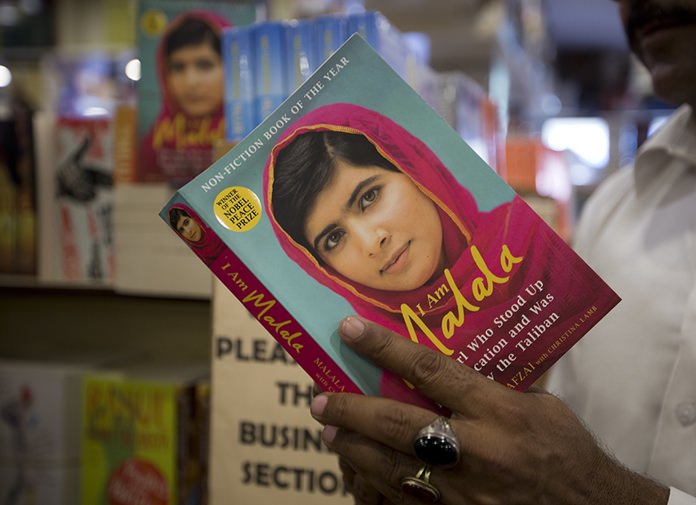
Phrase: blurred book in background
[84,200]
[141,437]
[18,242]
[180,92]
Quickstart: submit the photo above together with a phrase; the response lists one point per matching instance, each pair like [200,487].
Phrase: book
[267,61]
[354,196]
[38,400]
[330,34]
[181,89]
[139,440]
[125,151]
[39,429]
[542,178]
[269,67]
[237,57]
[384,37]
[146,252]
[40,425]
[264,445]
[82,224]
[18,208]
[301,52]
[86,85]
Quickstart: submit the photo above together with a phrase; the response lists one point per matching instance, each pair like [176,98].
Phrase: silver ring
[420,487]
[436,444]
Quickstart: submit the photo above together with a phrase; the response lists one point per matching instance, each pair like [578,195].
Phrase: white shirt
[632,379]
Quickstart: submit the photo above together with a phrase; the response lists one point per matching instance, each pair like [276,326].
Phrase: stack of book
[40,425]
[266,62]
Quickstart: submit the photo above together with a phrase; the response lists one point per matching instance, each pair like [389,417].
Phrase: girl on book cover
[180,143]
[201,239]
[368,210]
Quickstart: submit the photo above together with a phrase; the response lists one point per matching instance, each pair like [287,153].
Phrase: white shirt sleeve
[677,497]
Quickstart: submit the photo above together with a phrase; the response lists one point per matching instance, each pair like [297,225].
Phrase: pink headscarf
[169,159]
[209,247]
[512,224]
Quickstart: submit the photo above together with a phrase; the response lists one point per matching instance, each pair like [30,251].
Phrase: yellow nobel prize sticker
[152,22]
[237,208]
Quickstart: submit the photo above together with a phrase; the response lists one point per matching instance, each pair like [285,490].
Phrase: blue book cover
[237,55]
[329,34]
[384,38]
[301,56]
[355,196]
[270,74]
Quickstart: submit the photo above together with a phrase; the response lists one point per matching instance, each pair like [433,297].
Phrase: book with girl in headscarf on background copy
[355,197]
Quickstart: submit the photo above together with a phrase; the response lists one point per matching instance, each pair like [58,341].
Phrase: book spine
[260,302]
[239,87]
[381,35]
[125,144]
[8,243]
[329,34]
[300,53]
[281,325]
[269,67]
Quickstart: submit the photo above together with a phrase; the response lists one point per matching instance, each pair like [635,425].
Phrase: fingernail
[329,434]
[352,328]
[318,405]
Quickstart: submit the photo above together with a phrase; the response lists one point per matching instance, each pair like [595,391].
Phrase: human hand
[354,483]
[522,448]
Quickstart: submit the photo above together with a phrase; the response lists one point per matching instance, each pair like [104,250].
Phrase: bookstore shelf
[37,320]
[152,308]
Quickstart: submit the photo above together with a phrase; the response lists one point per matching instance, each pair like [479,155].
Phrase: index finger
[432,373]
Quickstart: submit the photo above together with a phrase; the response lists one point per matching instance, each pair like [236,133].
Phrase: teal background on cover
[368,81]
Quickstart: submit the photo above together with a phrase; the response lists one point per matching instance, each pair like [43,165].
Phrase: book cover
[137,444]
[38,418]
[181,89]
[129,442]
[355,196]
[40,427]
[39,430]
[84,195]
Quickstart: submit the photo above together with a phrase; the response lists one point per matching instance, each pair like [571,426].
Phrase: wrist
[617,485]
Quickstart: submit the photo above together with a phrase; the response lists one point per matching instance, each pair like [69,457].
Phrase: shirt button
[686,413]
